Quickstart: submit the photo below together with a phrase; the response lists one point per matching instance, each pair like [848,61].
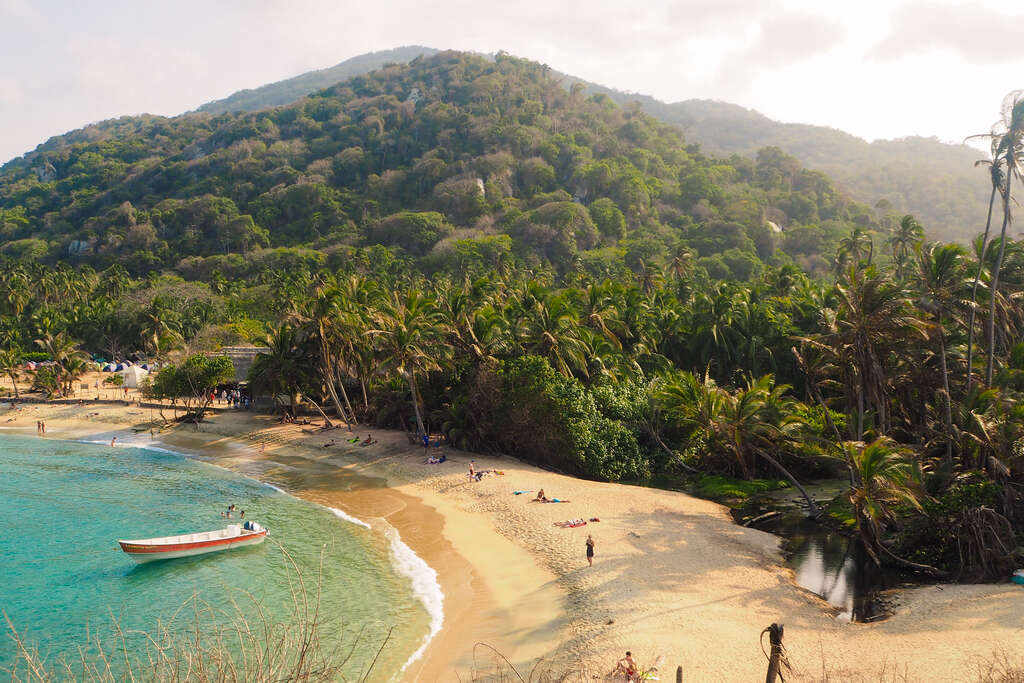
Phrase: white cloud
[978,34]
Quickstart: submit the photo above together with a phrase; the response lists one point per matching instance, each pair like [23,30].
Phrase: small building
[242,357]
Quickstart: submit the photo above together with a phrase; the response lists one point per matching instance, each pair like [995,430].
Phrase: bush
[542,417]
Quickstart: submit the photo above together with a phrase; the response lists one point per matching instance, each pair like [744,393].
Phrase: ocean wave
[341,514]
[276,488]
[425,587]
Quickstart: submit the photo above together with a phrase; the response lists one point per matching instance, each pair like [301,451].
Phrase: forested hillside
[934,181]
[449,163]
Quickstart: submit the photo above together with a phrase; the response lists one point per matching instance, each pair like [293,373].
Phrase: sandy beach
[673,579]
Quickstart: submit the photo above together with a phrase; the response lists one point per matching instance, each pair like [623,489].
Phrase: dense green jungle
[464,245]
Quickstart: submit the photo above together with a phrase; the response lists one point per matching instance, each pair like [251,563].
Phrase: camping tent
[133,376]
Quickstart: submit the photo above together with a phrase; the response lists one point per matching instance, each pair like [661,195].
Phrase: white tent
[133,376]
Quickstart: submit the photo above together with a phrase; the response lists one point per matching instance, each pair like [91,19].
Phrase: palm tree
[854,246]
[873,318]
[10,365]
[412,340]
[941,281]
[1008,140]
[321,323]
[751,423]
[996,176]
[887,478]
[550,328]
[284,368]
[905,238]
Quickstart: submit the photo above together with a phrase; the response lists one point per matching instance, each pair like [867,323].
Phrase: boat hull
[143,552]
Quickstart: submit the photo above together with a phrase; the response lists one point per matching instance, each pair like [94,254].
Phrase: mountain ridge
[933,180]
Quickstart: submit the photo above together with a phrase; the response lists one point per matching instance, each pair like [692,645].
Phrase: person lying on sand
[570,523]
[328,444]
[433,460]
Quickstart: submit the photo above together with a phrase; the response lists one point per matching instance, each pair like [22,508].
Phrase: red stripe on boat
[140,549]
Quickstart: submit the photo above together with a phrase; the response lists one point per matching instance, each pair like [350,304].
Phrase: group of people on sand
[368,441]
[543,498]
[477,475]
[231,510]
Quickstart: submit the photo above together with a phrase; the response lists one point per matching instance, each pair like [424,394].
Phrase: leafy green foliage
[546,418]
[452,146]
[727,489]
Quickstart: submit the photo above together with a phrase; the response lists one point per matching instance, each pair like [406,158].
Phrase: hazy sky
[875,69]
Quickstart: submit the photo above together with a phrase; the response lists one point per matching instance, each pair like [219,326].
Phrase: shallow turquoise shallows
[63,505]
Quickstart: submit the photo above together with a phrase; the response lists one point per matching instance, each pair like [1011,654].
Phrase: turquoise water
[64,504]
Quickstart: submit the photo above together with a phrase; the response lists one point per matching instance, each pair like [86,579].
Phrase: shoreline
[674,576]
[356,492]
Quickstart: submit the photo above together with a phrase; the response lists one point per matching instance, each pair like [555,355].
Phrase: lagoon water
[63,505]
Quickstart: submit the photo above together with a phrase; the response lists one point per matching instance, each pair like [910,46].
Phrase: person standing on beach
[42,426]
[590,550]
[472,471]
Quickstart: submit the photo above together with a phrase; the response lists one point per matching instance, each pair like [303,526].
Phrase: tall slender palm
[940,278]
[874,317]
[997,178]
[1008,140]
[413,340]
[10,365]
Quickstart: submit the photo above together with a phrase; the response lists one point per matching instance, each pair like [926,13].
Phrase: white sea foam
[341,514]
[276,488]
[425,587]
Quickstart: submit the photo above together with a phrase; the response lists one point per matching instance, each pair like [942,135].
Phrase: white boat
[185,545]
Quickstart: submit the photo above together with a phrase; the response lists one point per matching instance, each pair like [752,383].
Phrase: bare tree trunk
[926,569]
[995,283]
[812,508]
[974,292]
[945,389]
[348,405]
[415,401]
[327,421]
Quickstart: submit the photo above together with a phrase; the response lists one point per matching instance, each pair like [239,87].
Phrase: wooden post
[777,658]
[679,674]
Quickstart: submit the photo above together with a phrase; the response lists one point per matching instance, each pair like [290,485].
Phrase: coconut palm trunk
[411,377]
[813,511]
[945,389]
[974,288]
[989,365]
